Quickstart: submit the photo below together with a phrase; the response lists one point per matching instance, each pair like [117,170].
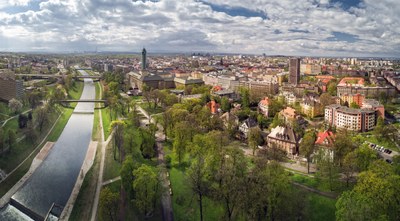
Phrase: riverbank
[39,158]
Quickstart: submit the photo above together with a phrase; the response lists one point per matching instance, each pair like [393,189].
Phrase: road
[165,197]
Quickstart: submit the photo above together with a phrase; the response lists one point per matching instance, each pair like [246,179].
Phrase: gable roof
[325,135]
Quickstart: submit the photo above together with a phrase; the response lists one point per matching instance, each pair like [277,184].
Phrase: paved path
[37,147]
[5,122]
[111,180]
[165,197]
[103,153]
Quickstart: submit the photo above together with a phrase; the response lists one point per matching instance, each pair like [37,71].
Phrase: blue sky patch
[347,4]
[340,36]
[33,5]
[236,11]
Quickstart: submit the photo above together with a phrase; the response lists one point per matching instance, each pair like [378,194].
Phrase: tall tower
[144,59]
[294,71]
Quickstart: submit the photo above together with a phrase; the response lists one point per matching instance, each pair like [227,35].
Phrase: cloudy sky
[289,27]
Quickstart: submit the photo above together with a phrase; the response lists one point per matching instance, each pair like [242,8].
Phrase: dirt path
[326,194]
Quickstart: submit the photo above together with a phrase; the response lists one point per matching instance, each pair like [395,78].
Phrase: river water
[54,179]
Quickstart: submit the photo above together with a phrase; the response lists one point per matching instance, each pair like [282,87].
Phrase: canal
[54,180]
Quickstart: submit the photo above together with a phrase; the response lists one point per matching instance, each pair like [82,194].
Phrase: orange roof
[326,135]
[217,88]
[265,101]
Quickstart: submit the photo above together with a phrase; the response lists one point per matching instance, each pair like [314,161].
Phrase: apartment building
[350,118]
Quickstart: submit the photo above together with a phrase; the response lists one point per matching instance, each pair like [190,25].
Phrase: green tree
[245,97]
[146,187]
[108,205]
[127,177]
[326,99]
[229,169]
[225,104]
[327,171]
[41,117]
[198,180]
[181,139]
[342,146]
[2,137]
[332,88]
[118,138]
[12,139]
[15,105]
[354,105]
[254,138]
[374,197]
[307,147]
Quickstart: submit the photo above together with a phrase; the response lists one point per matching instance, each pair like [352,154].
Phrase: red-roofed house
[325,141]
[213,106]
[263,106]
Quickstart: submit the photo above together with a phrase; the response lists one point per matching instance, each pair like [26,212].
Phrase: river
[54,179]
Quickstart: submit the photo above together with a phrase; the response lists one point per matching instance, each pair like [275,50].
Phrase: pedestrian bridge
[45,76]
[84,101]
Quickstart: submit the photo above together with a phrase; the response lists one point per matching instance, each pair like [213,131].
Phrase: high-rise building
[144,59]
[294,71]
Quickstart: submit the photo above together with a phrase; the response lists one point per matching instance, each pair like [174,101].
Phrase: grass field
[105,115]
[321,208]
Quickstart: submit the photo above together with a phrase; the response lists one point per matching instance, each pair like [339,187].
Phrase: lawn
[105,115]
[321,208]
[111,166]
[75,92]
[314,183]
[184,202]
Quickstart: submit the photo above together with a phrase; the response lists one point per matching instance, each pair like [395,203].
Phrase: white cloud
[292,27]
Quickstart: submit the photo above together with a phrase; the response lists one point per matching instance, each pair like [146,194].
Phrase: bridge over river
[53,181]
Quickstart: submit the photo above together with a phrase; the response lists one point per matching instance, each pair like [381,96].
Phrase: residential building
[375,105]
[350,118]
[311,108]
[229,120]
[289,114]
[246,125]
[294,71]
[352,98]
[10,87]
[263,106]
[213,106]
[284,138]
[325,143]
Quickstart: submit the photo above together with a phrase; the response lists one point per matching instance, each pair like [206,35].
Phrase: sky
[286,27]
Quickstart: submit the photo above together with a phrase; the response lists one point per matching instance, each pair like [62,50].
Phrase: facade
[294,71]
[10,87]
[311,69]
[350,98]
[284,138]
[246,125]
[229,120]
[213,106]
[311,108]
[290,98]
[369,92]
[325,143]
[349,118]
[263,106]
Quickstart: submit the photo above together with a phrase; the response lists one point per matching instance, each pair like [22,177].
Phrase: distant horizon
[152,53]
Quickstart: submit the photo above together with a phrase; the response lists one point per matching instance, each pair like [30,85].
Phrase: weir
[53,181]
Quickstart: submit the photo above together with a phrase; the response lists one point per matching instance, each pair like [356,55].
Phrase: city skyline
[330,28]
